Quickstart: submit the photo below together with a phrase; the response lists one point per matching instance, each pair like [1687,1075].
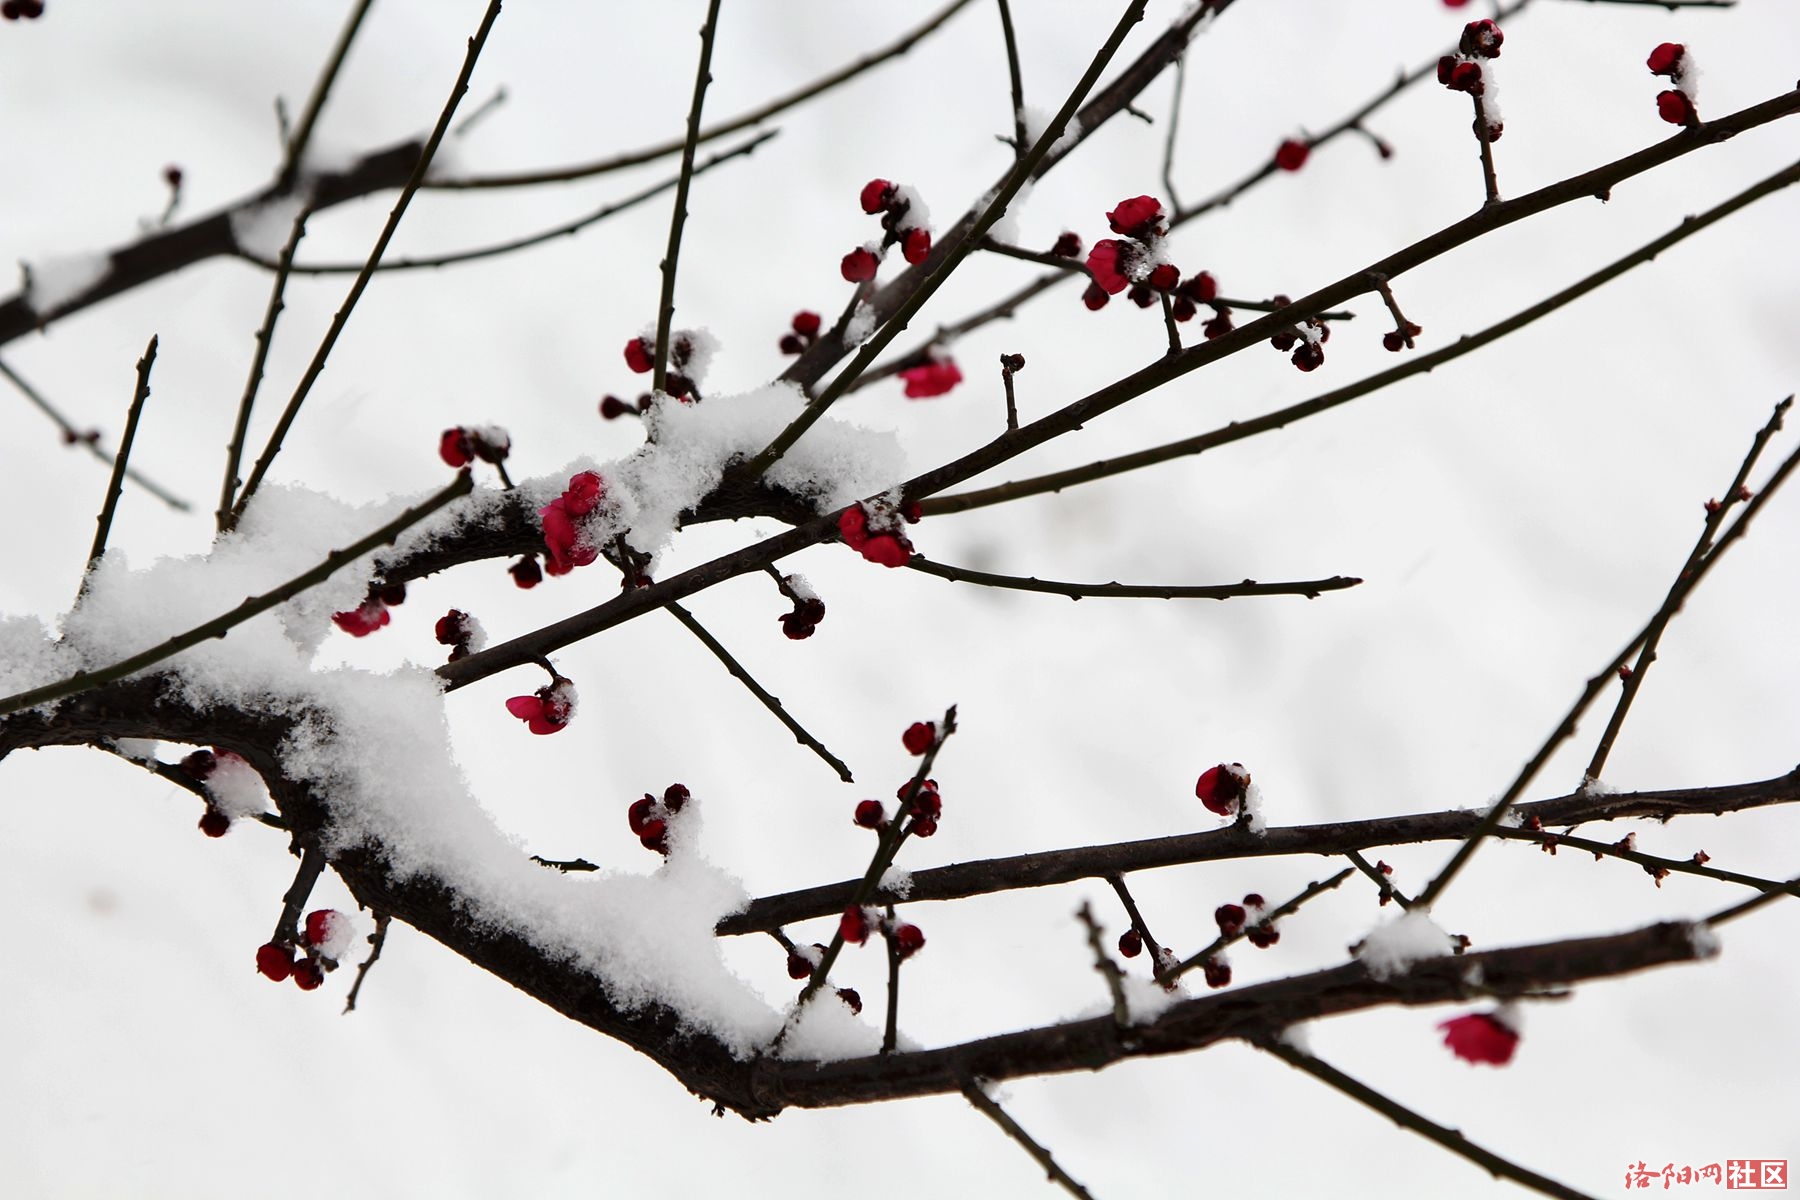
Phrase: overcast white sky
[1517,515]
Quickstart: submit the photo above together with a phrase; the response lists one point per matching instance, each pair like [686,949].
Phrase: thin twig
[886,847]
[1014,79]
[948,258]
[1168,165]
[1310,588]
[665,308]
[265,337]
[1652,863]
[1103,963]
[342,317]
[521,243]
[312,865]
[1488,179]
[221,625]
[742,121]
[1685,583]
[315,103]
[985,1103]
[1239,430]
[173,774]
[1158,967]
[377,940]
[116,486]
[1406,1118]
[1225,941]
[1715,517]
[890,1035]
[772,703]
[1751,905]
[1379,877]
[565,865]
[76,437]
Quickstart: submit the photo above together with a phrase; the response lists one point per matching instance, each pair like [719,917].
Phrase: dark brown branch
[1310,892]
[1234,842]
[743,121]
[1108,969]
[377,940]
[768,701]
[289,174]
[1310,588]
[312,865]
[993,1112]
[1014,79]
[1450,1139]
[116,487]
[264,338]
[342,317]
[1239,430]
[1653,864]
[665,308]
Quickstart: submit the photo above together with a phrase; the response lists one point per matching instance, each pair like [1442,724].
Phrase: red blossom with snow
[564,547]
[876,533]
[1222,788]
[876,195]
[638,353]
[916,245]
[1480,1038]
[546,710]
[323,927]
[908,940]
[1677,108]
[854,924]
[1666,59]
[935,378]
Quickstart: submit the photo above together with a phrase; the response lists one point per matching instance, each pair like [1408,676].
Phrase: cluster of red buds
[1250,919]
[858,922]
[1135,257]
[689,352]
[803,332]
[461,632]
[877,531]
[904,222]
[372,613]
[324,937]
[935,376]
[1401,336]
[1222,788]
[1489,1037]
[30,10]
[809,610]
[1468,71]
[1676,106]
[1306,340]
[927,808]
[612,408]
[200,766]
[565,547]
[650,818]
[461,446]
[547,710]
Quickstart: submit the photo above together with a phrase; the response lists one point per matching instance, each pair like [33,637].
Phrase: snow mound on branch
[52,283]
[834,464]
[1394,946]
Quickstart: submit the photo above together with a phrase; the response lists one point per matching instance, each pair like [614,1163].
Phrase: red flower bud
[1291,155]
[637,355]
[859,265]
[875,195]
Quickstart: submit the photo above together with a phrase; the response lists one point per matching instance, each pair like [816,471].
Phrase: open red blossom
[1481,38]
[1136,217]
[859,265]
[854,924]
[1106,263]
[548,709]
[876,194]
[1666,59]
[637,355]
[1480,1038]
[454,448]
[1677,108]
[1221,788]
[364,619]
[888,550]
[275,960]
[919,737]
[935,378]
[853,526]
[916,245]
[908,940]
[564,547]
[1291,155]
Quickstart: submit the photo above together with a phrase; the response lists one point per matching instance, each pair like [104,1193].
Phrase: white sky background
[1517,515]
